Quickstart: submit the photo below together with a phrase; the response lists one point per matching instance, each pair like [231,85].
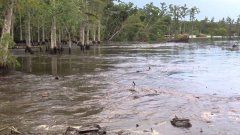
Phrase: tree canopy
[109,20]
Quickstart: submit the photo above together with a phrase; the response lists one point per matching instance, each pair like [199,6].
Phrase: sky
[208,8]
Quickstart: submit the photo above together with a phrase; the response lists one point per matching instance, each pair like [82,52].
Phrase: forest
[84,22]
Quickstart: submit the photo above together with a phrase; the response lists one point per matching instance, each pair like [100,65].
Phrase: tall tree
[5,58]
[193,12]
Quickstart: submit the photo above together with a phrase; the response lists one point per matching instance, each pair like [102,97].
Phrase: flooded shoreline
[198,81]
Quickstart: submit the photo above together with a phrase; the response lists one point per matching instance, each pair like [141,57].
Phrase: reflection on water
[198,81]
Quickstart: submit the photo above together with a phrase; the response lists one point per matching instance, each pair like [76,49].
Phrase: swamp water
[198,81]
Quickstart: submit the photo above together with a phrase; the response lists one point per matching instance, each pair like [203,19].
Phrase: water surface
[199,81]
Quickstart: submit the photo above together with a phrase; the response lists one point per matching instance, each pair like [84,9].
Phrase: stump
[181,122]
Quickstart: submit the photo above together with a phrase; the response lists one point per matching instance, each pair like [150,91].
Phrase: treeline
[126,22]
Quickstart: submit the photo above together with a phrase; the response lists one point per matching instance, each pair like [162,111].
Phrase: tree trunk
[69,39]
[99,31]
[12,27]
[59,38]
[6,29]
[53,31]
[28,41]
[82,34]
[94,34]
[43,33]
[181,27]
[88,35]
[184,26]
[8,19]
[69,43]
[21,33]
[38,32]
[192,28]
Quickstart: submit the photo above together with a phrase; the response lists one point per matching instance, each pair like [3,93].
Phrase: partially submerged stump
[181,122]
[29,50]
[87,47]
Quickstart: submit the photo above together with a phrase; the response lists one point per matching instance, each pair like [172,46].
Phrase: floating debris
[181,122]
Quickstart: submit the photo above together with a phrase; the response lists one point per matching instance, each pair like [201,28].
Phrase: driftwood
[88,130]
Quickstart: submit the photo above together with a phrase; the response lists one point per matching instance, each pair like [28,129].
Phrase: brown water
[199,81]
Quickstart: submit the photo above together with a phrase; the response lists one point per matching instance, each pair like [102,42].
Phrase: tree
[184,13]
[175,13]
[6,59]
[229,22]
[192,12]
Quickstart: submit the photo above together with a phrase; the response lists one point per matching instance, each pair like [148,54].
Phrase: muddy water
[199,81]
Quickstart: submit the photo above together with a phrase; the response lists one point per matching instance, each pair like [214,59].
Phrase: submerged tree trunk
[54,63]
[6,30]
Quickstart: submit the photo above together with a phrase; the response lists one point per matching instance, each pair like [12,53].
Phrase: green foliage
[6,41]
[119,21]
[6,59]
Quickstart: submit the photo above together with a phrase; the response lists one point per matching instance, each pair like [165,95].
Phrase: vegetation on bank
[58,22]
